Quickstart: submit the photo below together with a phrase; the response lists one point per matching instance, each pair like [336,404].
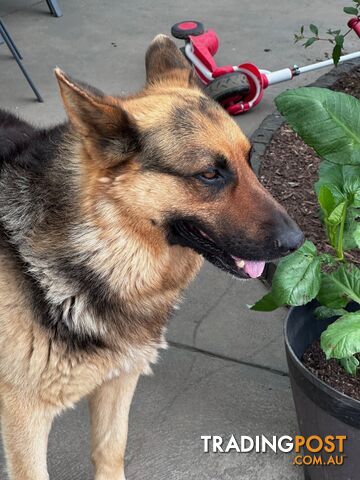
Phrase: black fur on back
[24,144]
[36,193]
[15,135]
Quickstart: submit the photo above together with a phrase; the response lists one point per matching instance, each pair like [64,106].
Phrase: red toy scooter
[238,88]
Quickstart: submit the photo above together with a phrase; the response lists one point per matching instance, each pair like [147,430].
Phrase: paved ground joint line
[181,346]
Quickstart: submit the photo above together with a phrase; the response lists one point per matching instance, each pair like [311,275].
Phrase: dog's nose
[289,238]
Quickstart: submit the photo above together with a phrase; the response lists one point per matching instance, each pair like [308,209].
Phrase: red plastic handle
[354,23]
[208,40]
[205,46]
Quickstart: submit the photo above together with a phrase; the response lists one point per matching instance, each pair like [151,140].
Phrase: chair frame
[6,37]
[18,57]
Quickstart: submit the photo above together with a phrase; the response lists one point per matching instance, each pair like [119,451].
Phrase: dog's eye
[211,176]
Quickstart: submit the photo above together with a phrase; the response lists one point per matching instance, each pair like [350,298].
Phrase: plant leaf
[349,279]
[342,338]
[325,312]
[266,304]
[309,42]
[337,288]
[351,237]
[337,214]
[351,10]
[336,176]
[334,208]
[350,364]
[297,277]
[314,29]
[336,53]
[339,40]
[327,121]
[331,295]
[336,183]
[326,199]
[352,190]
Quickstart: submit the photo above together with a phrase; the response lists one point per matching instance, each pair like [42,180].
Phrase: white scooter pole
[288,73]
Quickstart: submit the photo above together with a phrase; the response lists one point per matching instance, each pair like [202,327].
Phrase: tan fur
[38,379]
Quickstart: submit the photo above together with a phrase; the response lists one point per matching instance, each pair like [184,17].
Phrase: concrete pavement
[225,372]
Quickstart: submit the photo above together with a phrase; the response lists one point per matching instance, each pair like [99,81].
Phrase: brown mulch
[349,83]
[331,372]
[289,170]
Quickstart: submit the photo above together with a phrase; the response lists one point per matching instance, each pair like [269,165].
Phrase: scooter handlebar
[354,24]
[208,40]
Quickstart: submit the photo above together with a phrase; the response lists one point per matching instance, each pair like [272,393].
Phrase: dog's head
[177,165]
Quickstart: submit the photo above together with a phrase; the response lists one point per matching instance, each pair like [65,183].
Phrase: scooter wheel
[231,86]
[186,28]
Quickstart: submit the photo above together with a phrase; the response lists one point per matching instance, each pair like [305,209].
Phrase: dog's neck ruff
[82,307]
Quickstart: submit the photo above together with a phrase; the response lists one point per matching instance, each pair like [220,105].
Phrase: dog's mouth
[187,233]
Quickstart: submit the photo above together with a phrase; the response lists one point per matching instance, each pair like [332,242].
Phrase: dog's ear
[105,127]
[166,64]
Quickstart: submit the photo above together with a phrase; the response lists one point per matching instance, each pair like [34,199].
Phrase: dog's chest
[67,378]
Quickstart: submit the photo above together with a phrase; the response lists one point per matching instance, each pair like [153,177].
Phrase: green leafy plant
[330,123]
[335,37]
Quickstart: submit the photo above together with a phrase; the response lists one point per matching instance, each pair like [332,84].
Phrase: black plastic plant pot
[321,410]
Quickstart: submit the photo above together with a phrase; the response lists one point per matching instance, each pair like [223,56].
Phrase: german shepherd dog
[104,220]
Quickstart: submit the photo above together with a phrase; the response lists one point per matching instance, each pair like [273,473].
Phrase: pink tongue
[254,269]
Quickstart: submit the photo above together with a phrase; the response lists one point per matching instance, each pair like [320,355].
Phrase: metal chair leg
[7,34]
[54,8]
[10,44]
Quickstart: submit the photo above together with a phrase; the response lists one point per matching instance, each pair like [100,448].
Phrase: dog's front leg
[109,409]
[25,429]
